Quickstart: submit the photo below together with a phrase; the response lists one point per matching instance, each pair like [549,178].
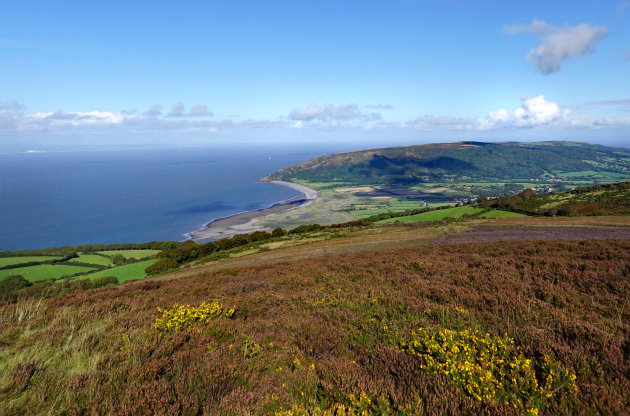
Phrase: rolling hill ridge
[465,161]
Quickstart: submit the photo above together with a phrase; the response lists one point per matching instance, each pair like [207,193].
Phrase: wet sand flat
[245,222]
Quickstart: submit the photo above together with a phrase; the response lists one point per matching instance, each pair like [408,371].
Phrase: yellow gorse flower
[358,406]
[181,317]
[490,368]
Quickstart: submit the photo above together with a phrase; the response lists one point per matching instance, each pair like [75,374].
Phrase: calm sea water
[71,198]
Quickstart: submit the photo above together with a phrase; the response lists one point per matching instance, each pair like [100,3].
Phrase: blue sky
[387,72]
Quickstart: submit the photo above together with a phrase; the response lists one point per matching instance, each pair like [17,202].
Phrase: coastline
[244,222]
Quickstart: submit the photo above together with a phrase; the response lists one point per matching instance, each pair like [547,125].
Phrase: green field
[402,204]
[578,174]
[365,213]
[369,207]
[128,254]
[44,271]
[322,185]
[439,204]
[91,259]
[497,213]
[126,272]
[9,261]
[440,214]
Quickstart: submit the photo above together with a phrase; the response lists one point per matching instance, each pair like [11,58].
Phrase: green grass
[440,204]
[579,173]
[91,259]
[364,213]
[615,175]
[136,254]
[322,185]
[455,212]
[126,272]
[375,207]
[496,213]
[9,261]
[44,271]
[402,204]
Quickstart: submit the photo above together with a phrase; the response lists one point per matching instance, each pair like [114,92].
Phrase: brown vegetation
[322,332]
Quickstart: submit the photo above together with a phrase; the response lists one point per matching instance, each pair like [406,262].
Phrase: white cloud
[380,106]
[330,116]
[176,111]
[433,122]
[538,111]
[59,119]
[154,110]
[326,112]
[123,121]
[199,111]
[534,113]
[555,44]
[10,106]
[620,104]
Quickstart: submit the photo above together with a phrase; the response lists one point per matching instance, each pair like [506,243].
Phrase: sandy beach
[245,222]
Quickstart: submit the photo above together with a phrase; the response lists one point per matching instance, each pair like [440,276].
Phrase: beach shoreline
[244,222]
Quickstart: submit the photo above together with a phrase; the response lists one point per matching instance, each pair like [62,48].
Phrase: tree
[277,232]
[118,259]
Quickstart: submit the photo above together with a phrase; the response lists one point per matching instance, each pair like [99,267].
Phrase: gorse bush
[181,317]
[491,368]
[356,405]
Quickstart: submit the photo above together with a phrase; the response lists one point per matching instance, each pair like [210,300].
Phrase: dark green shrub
[259,236]
[118,259]
[104,281]
[161,266]
[305,229]
[70,285]
[277,232]
[11,283]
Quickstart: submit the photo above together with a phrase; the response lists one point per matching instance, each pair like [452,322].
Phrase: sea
[57,198]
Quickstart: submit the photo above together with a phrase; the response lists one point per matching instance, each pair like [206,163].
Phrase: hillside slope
[610,199]
[354,332]
[464,161]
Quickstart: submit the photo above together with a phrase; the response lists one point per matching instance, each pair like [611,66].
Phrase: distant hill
[611,199]
[466,161]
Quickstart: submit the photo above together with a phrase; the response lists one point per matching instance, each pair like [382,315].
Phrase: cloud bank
[200,111]
[154,110]
[326,112]
[533,113]
[333,116]
[556,44]
[176,111]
